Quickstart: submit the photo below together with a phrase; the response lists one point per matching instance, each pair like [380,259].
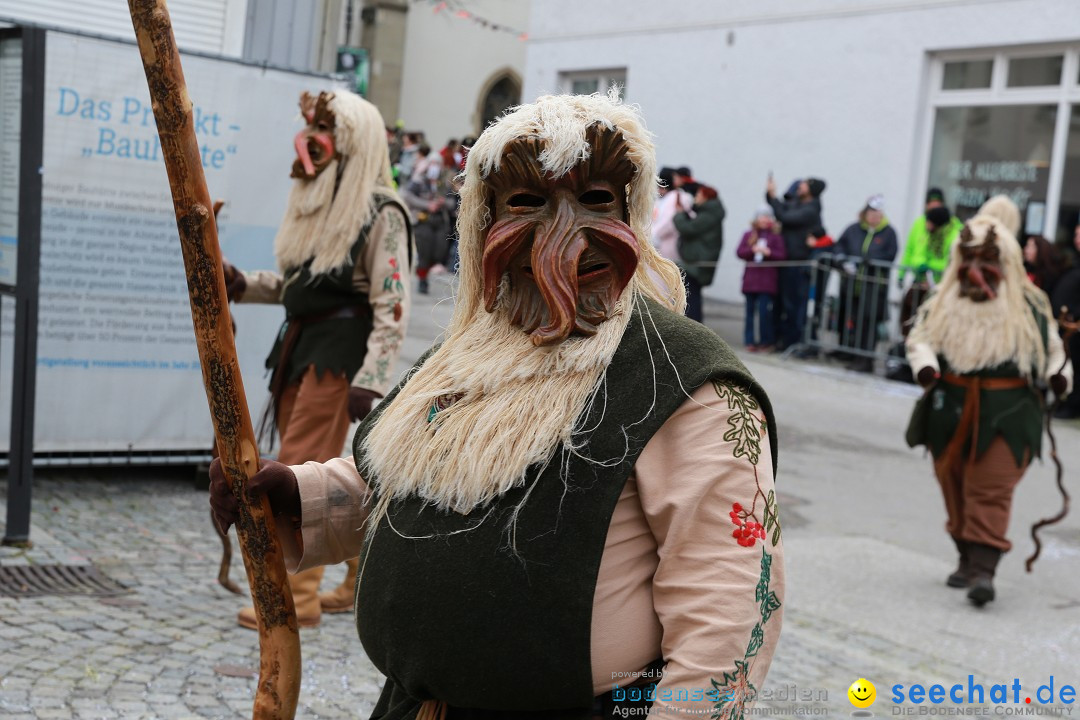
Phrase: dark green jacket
[701,239]
[448,610]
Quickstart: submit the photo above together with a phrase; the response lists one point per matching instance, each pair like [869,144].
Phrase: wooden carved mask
[562,243]
[980,269]
[315,143]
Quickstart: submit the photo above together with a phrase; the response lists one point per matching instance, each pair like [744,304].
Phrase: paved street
[866,558]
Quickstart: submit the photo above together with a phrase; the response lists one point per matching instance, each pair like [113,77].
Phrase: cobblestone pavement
[172,649]
[161,651]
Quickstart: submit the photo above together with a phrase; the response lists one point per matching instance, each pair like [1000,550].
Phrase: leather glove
[1058,384]
[927,376]
[235,284]
[360,400]
[274,480]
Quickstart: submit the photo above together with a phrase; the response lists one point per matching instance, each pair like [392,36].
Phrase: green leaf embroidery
[745,427]
[732,693]
[757,639]
[770,517]
[734,690]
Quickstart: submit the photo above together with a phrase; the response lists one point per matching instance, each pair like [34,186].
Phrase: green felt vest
[463,618]
[338,343]
[1016,414]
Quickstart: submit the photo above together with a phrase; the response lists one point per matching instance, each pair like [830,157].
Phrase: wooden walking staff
[279,639]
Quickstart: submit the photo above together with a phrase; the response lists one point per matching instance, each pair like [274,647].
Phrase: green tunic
[1016,414]
[463,617]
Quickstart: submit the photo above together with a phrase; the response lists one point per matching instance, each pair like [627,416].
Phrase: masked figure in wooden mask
[343,254]
[983,346]
[563,465]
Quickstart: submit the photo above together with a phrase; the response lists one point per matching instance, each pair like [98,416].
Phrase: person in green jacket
[932,236]
[701,236]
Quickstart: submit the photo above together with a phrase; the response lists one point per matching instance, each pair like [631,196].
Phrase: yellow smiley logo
[862,693]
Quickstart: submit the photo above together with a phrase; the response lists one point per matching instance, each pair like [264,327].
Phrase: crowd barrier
[858,309]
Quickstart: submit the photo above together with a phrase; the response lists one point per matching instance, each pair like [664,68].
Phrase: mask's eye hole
[596,197]
[526,200]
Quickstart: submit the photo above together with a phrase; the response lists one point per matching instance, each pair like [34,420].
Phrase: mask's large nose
[300,143]
[325,146]
[975,275]
[557,247]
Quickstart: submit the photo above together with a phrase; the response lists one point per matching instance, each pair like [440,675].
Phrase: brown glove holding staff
[274,480]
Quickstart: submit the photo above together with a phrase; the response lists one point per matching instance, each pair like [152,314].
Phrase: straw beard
[506,405]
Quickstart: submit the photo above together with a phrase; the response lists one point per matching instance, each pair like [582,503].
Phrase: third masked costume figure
[343,251]
[985,346]
[567,508]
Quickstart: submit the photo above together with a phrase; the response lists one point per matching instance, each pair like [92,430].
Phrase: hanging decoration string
[457,9]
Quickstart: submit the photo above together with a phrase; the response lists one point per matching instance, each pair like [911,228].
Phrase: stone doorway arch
[501,91]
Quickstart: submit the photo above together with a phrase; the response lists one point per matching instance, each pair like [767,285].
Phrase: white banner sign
[117,366]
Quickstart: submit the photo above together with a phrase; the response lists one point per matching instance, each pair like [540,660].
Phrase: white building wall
[212,26]
[834,88]
[449,62]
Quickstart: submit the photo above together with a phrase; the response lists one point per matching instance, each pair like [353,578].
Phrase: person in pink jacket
[760,246]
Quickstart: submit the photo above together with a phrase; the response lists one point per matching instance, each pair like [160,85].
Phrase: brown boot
[305,592]
[340,599]
[962,577]
[984,560]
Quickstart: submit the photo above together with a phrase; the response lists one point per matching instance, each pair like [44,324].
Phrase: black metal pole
[31,140]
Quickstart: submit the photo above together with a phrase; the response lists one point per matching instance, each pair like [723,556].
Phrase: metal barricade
[857,308]
[861,309]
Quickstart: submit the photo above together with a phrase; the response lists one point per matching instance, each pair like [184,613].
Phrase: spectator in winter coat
[760,246]
[821,248]
[930,240]
[1043,263]
[798,212]
[426,197]
[665,237]
[453,157]
[865,252]
[410,147]
[701,236]
[1067,295]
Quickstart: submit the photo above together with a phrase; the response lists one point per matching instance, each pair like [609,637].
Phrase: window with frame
[1007,121]
[586,82]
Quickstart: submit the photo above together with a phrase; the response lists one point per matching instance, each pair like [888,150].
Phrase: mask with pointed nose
[560,247]
[315,143]
[980,270]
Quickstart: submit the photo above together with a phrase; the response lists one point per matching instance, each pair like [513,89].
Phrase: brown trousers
[313,418]
[978,495]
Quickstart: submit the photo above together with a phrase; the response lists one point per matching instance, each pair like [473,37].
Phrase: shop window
[967,75]
[1069,210]
[1035,71]
[983,151]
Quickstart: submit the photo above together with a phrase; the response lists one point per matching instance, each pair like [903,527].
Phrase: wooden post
[279,639]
